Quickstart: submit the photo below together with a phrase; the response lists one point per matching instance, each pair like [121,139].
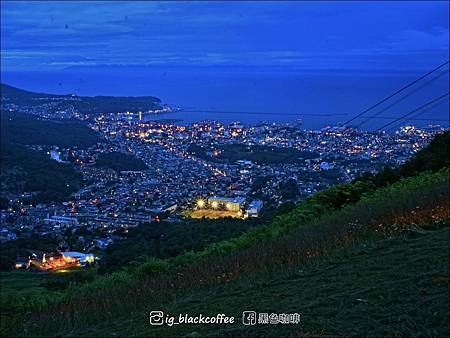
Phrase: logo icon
[156,318]
[249,317]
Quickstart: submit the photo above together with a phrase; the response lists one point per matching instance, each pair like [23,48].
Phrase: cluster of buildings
[219,207]
[178,182]
[181,176]
[55,261]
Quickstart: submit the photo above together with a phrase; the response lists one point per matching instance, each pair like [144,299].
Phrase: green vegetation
[433,158]
[289,189]
[368,257]
[83,104]
[386,287]
[20,288]
[23,169]
[268,251]
[120,162]
[259,154]
[166,239]
[21,247]
[26,170]
[28,130]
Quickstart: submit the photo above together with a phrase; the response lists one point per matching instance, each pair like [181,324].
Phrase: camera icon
[249,317]
[156,318]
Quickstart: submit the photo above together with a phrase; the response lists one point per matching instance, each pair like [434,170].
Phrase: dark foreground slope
[353,259]
[328,269]
[396,287]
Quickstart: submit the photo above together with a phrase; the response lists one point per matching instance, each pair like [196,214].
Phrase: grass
[396,286]
[21,284]
[213,214]
[21,290]
[25,290]
[420,201]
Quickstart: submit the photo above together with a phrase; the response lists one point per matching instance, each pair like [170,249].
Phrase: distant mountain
[13,93]
[83,104]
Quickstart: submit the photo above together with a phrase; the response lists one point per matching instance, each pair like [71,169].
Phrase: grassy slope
[106,306]
[21,284]
[396,286]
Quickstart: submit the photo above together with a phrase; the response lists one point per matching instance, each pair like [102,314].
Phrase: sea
[315,99]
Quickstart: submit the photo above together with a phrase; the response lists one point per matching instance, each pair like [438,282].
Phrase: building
[231,204]
[7,235]
[61,260]
[61,221]
[254,208]
[83,258]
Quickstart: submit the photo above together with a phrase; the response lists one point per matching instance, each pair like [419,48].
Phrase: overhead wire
[410,84]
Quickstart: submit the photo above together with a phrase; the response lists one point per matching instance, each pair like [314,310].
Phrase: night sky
[391,36]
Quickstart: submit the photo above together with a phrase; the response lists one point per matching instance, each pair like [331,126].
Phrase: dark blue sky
[353,36]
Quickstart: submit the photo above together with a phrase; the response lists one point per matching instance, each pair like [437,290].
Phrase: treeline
[22,247]
[433,158]
[164,239]
[25,170]
[26,129]
[231,153]
[120,162]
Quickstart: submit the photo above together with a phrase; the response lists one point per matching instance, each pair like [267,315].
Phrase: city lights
[214,204]
[200,203]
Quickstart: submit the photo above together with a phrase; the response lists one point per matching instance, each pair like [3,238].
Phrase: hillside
[374,288]
[363,258]
[120,162]
[23,169]
[26,170]
[119,303]
[83,104]
[28,130]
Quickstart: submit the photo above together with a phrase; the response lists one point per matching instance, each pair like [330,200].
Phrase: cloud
[413,40]
[268,34]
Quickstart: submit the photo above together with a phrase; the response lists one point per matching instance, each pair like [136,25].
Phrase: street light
[215,205]
[200,203]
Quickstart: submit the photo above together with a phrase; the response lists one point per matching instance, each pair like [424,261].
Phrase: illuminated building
[64,260]
[231,204]
[254,208]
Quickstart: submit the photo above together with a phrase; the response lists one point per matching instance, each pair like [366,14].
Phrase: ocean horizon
[317,98]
